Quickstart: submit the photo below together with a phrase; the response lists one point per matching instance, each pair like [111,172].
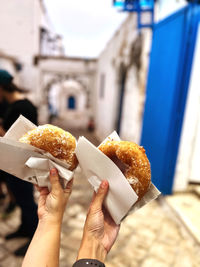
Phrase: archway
[68,101]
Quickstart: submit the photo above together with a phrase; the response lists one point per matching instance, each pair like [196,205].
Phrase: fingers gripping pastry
[132,161]
[54,140]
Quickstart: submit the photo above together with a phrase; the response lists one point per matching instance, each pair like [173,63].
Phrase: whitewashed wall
[115,53]
[187,169]
[20,24]
[19,34]
[133,107]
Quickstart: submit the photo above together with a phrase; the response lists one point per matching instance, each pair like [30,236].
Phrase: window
[71,102]
[43,40]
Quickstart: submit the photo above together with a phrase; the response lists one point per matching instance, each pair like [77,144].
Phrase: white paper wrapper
[27,162]
[121,199]
[96,166]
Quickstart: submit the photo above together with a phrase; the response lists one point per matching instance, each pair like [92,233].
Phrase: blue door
[168,79]
[71,102]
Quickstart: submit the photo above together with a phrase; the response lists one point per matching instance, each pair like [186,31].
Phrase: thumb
[55,182]
[100,196]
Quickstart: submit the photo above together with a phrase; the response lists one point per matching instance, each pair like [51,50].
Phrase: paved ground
[152,237]
[187,206]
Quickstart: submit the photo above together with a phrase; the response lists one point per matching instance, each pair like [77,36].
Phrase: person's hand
[45,245]
[100,231]
[51,205]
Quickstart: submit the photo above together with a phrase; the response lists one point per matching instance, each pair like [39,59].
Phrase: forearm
[45,246]
[91,249]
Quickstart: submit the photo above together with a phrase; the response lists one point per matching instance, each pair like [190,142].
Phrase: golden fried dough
[132,161]
[54,140]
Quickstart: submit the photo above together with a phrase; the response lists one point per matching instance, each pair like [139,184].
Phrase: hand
[45,245]
[51,205]
[100,231]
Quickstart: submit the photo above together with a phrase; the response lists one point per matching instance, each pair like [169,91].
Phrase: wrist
[91,248]
[49,222]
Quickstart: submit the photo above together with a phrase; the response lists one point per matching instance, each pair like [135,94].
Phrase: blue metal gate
[168,79]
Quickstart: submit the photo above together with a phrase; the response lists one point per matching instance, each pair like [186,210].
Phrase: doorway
[122,84]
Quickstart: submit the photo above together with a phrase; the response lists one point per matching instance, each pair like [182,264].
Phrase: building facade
[121,82]
[121,92]
[25,33]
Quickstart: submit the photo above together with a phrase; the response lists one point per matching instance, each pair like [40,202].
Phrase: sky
[86,25]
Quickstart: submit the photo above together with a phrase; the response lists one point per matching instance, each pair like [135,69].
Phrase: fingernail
[53,171]
[104,184]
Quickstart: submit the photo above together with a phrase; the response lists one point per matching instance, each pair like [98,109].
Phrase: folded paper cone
[56,141]
[131,159]
[97,167]
[121,199]
[25,160]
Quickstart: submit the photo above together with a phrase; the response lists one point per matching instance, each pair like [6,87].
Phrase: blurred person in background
[3,107]
[22,191]
[5,194]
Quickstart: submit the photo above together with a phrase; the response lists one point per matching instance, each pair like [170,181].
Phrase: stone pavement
[187,206]
[154,236]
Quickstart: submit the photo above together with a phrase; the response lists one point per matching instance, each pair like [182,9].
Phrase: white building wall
[19,31]
[20,24]
[117,52]
[131,126]
[187,169]
[132,115]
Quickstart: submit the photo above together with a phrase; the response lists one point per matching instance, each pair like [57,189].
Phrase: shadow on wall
[130,93]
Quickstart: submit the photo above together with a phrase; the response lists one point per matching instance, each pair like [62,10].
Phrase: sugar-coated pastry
[132,161]
[57,142]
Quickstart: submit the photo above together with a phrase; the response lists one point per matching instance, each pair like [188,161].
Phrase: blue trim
[139,7]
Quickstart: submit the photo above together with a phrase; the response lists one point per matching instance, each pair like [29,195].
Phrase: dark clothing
[22,191]
[3,108]
[21,107]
